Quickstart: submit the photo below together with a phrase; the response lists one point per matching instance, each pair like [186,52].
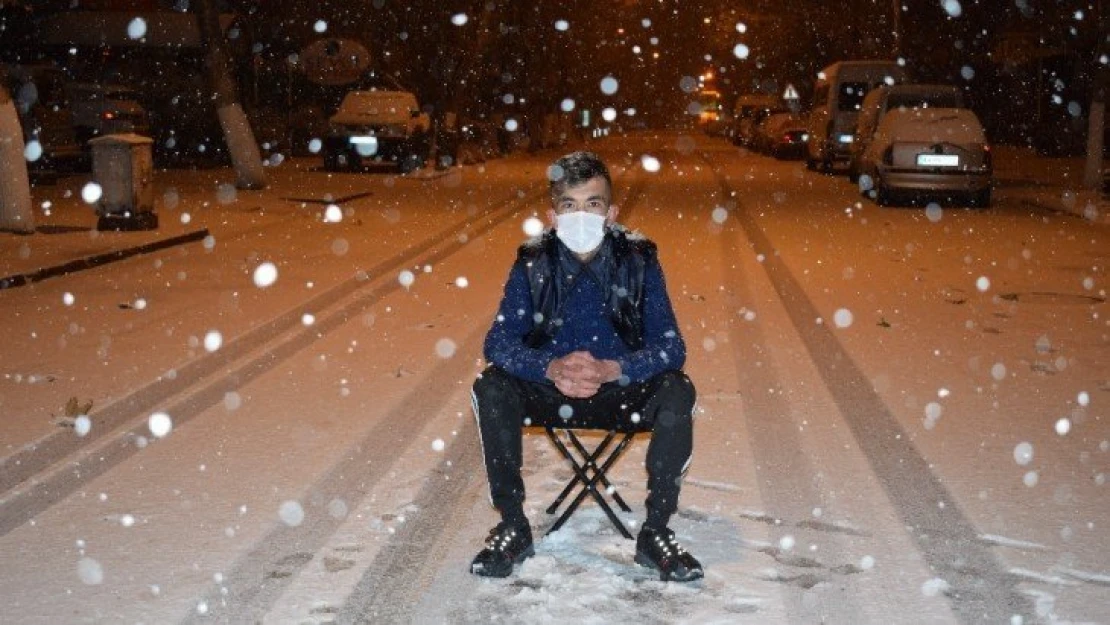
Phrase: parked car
[837,98]
[45,116]
[377,127]
[938,152]
[783,136]
[105,109]
[886,97]
[747,112]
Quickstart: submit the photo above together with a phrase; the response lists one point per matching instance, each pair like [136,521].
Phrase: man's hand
[580,375]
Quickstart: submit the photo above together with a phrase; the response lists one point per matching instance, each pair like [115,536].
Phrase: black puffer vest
[624,282]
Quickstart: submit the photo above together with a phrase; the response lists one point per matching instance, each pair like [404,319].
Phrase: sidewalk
[1053,184]
[188,203]
[66,238]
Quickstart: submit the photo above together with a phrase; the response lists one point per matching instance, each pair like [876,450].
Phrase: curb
[22,279]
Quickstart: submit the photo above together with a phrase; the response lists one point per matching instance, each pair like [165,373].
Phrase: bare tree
[1096,119]
[240,139]
[15,186]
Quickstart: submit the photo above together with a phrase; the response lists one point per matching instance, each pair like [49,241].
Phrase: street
[901,411]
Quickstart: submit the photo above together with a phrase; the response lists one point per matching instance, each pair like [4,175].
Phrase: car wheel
[409,163]
[853,174]
[331,161]
[882,193]
[810,163]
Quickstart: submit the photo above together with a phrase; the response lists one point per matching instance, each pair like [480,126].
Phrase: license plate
[938,160]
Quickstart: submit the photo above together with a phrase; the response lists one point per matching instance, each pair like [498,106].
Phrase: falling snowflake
[1023,453]
[406,278]
[91,193]
[333,214]
[213,340]
[291,513]
[265,275]
[532,227]
[160,424]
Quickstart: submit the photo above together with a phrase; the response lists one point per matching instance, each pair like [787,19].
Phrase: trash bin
[124,169]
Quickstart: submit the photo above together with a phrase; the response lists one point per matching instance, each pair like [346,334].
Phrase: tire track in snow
[785,476]
[394,582]
[980,590]
[259,577]
[45,481]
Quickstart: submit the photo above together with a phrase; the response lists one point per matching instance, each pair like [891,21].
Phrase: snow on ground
[289,486]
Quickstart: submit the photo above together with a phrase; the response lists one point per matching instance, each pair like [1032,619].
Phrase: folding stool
[590,468]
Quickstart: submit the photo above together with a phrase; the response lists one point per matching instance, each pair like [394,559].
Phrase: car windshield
[851,95]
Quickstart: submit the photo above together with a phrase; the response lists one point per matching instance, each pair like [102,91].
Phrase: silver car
[935,152]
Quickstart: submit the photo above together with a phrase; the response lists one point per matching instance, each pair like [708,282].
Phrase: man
[586,336]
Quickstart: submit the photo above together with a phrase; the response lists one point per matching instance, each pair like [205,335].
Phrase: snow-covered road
[902,412]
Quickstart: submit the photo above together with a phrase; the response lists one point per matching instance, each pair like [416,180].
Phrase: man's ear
[611,216]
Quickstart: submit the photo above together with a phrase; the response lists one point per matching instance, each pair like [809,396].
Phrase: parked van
[748,111]
[892,97]
[837,98]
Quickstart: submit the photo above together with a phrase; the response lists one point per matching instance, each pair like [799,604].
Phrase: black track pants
[503,404]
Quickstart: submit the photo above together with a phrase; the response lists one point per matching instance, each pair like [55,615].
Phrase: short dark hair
[575,169]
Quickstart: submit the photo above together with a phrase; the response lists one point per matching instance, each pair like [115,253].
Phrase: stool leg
[590,488]
[591,460]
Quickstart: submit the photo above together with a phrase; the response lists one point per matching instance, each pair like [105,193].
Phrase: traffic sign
[791,93]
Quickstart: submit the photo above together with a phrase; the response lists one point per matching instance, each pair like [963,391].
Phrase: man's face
[591,196]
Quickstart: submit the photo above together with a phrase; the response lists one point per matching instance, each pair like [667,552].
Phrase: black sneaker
[659,550]
[507,545]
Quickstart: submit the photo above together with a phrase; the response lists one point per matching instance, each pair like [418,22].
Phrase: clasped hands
[580,375]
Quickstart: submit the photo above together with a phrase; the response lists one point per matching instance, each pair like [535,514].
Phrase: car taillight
[108,116]
[888,155]
[988,160]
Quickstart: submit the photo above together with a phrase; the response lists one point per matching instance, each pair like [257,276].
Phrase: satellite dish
[334,61]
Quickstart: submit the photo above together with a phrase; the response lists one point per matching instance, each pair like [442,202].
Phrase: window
[851,95]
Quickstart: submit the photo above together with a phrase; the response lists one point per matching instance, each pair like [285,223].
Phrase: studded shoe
[659,550]
[506,545]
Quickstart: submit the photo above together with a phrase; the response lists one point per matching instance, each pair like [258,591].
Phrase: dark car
[784,136]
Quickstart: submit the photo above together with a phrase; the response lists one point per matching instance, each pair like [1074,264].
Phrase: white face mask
[580,231]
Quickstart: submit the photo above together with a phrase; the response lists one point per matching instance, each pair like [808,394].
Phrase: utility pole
[1096,118]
